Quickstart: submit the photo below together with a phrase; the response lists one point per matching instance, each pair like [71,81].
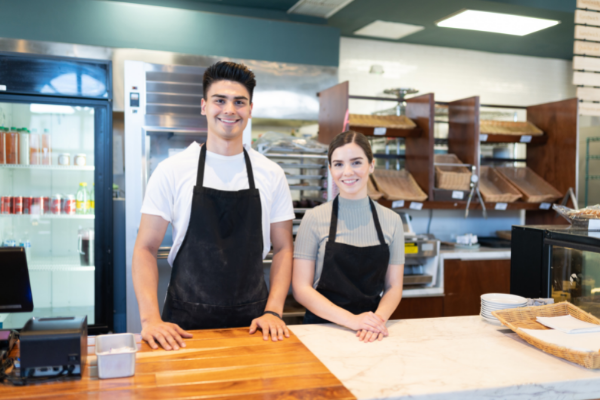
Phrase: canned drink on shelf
[69,204]
[27,201]
[46,208]
[6,204]
[55,204]
[17,205]
[37,205]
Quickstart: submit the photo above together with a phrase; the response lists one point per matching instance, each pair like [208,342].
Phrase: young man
[227,204]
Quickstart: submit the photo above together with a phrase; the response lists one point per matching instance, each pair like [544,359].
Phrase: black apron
[217,279]
[352,277]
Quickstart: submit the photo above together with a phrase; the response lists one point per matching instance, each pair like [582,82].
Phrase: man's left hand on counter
[270,324]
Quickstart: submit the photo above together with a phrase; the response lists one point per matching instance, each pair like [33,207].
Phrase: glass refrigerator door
[47,172]
[575,277]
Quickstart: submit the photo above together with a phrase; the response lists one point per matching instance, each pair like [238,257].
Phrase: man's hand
[167,334]
[270,324]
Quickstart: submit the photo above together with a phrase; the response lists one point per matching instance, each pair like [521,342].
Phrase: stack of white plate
[498,301]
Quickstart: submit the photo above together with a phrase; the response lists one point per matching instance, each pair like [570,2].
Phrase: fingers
[163,342]
[151,342]
[280,333]
[253,326]
[362,335]
[182,333]
[286,331]
[380,338]
[172,342]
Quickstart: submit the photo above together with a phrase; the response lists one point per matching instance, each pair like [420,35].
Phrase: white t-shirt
[170,189]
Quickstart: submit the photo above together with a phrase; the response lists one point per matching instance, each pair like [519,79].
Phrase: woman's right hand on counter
[169,336]
[369,321]
[368,336]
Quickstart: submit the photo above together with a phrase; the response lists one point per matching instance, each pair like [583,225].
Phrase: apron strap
[202,162]
[334,221]
[376,221]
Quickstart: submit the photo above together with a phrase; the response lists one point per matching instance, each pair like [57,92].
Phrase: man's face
[227,109]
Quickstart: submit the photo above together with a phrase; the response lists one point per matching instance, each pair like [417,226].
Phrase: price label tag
[3,88]
[415,206]
[458,195]
[545,206]
[398,204]
[501,206]
[525,138]
[379,131]
[483,137]
[411,248]
[594,224]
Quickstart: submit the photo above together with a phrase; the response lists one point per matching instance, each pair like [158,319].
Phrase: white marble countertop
[446,358]
[482,253]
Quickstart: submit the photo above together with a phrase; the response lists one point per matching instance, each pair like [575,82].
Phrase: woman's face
[350,170]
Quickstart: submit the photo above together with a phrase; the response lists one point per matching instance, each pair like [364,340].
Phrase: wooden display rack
[553,155]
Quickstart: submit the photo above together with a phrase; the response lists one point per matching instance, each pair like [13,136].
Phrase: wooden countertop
[214,364]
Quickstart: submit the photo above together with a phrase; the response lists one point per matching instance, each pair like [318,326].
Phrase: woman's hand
[368,336]
[369,321]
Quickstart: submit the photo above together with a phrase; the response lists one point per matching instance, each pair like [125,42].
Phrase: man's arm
[280,278]
[145,281]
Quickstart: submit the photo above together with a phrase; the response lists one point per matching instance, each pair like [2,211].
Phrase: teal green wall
[125,25]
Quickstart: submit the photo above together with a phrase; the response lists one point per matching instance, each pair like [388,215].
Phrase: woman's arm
[392,295]
[302,281]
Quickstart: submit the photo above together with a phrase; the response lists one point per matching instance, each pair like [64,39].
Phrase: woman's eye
[357,163]
[337,164]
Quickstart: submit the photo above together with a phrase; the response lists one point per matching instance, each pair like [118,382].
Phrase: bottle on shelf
[93,199]
[83,199]
[34,148]
[11,142]
[24,147]
[46,148]
[2,151]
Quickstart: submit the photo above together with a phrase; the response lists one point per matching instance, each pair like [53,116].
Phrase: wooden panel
[214,364]
[333,105]
[466,281]
[390,132]
[556,161]
[419,307]
[419,150]
[463,130]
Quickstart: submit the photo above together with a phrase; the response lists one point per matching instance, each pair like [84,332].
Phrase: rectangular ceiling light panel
[495,22]
[388,30]
[318,8]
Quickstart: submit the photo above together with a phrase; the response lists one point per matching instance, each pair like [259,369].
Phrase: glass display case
[558,262]
[55,177]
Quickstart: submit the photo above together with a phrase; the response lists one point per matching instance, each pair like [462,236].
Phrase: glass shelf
[50,216]
[47,167]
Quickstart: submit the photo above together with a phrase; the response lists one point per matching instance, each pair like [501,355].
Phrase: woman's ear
[372,167]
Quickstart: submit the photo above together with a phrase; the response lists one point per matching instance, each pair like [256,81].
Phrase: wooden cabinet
[420,307]
[465,281]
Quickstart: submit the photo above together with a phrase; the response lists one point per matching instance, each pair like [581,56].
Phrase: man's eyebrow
[222,96]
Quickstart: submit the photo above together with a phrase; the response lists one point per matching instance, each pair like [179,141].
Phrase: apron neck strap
[202,162]
[334,221]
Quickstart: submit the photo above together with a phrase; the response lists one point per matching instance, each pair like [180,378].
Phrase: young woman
[349,253]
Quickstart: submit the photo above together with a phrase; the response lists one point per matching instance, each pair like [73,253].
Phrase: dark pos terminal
[50,347]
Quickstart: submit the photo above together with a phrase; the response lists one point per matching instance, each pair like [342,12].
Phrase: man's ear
[202,106]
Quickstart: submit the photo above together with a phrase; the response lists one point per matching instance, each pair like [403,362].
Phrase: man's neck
[223,147]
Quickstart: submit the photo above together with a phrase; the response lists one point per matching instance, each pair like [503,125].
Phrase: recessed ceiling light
[318,8]
[496,22]
[388,30]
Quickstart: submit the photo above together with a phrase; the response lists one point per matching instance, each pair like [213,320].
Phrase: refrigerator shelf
[61,268]
[48,167]
[50,216]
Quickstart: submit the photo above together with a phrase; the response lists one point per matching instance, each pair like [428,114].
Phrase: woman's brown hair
[351,137]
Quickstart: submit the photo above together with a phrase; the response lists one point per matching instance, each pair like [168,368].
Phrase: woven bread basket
[451,177]
[490,127]
[515,318]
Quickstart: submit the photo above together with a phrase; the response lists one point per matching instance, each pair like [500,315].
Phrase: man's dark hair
[228,71]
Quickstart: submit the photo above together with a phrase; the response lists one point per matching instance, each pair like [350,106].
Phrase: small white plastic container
[116,365]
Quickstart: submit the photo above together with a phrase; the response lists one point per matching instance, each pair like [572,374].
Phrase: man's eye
[241,103]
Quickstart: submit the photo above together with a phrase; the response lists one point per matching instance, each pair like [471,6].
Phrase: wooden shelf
[461,205]
[512,139]
[389,132]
